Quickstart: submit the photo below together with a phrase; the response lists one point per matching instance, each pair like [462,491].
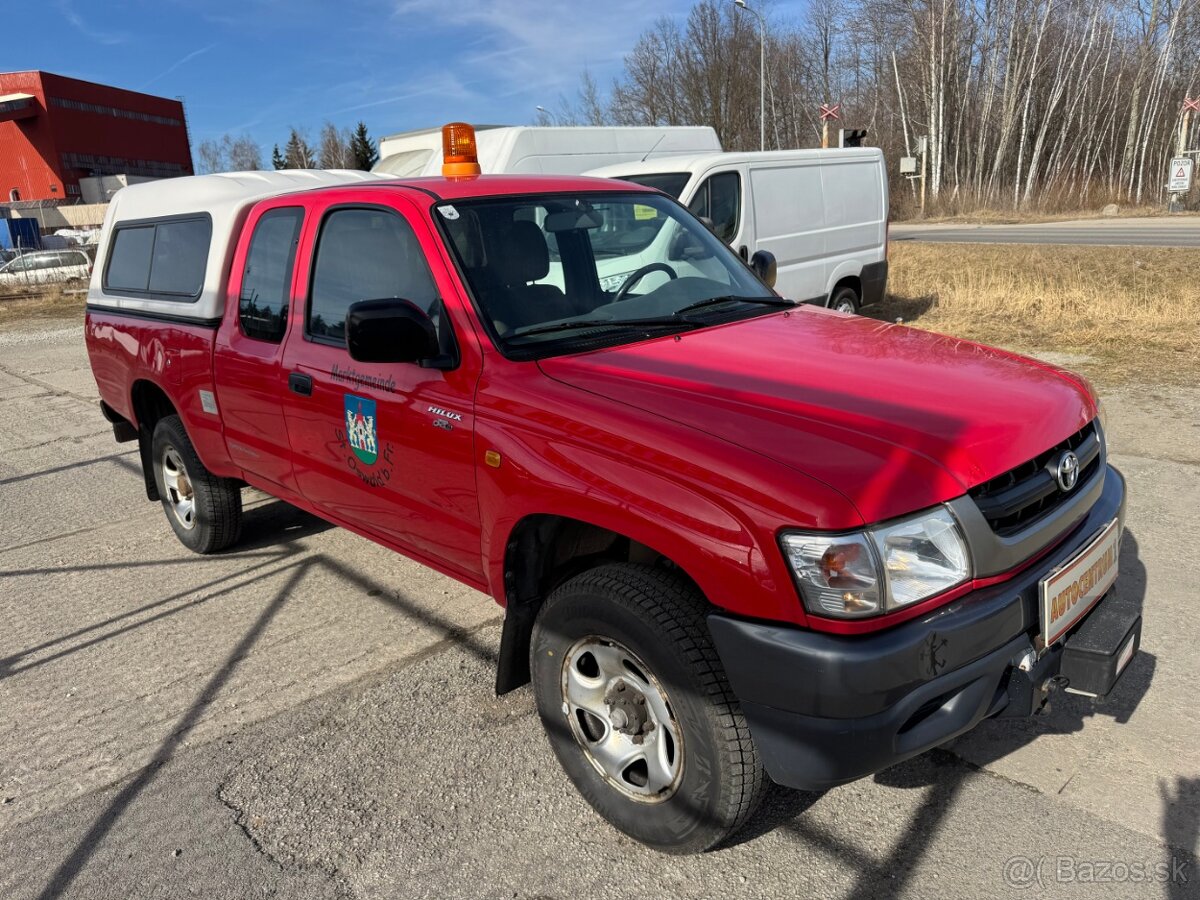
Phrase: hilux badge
[1068,471]
[360,428]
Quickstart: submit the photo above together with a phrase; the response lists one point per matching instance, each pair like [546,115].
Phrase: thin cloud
[179,62]
[77,22]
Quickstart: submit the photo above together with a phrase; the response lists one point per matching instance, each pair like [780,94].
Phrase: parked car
[46,267]
[822,213]
[735,537]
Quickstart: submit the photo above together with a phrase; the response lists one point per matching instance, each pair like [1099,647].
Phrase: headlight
[851,576]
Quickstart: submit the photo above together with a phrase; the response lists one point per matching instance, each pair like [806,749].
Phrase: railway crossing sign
[1190,105]
[1180,181]
[830,111]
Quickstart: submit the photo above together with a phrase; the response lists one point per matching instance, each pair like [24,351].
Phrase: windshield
[536,268]
[671,183]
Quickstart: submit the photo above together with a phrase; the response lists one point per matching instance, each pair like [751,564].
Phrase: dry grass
[1134,310]
[1033,217]
[56,302]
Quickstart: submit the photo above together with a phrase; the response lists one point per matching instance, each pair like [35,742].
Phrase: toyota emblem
[1068,471]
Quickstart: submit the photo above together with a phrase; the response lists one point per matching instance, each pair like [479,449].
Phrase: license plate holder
[1069,592]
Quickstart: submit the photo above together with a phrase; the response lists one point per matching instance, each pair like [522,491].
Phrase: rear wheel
[205,511]
[638,710]
[845,299]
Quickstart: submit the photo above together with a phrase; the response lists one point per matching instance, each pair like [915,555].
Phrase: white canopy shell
[226,199]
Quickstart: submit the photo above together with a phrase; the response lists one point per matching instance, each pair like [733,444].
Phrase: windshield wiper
[672,321]
[731,298]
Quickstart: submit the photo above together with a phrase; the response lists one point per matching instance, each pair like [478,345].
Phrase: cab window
[365,254]
[267,278]
[719,199]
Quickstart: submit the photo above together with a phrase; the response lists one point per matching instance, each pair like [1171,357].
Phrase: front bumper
[826,709]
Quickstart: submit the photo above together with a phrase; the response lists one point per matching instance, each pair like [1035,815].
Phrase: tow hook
[1054,682]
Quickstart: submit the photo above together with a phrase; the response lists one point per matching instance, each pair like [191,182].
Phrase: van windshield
[671,183]
[532,264]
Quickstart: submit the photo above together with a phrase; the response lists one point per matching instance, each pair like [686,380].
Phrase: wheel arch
[852,280]
[150,404]
[542,551]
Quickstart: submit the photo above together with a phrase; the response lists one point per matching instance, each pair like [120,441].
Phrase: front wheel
[205,511]
[845,299]
[638,710]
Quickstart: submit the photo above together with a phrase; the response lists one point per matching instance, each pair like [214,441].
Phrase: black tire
[846,298]
[216,510]
[660,617]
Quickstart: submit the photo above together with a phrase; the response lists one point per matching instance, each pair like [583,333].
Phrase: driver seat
[521,257]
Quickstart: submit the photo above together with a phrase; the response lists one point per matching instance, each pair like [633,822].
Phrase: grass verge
[38,305]
[1134,310]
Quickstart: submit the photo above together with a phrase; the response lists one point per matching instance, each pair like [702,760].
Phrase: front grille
[1016,499]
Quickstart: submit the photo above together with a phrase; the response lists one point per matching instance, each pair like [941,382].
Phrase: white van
[822,213]
[544,150]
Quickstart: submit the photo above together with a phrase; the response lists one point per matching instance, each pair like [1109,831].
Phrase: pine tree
[363,148]
[277,159]
[297,154]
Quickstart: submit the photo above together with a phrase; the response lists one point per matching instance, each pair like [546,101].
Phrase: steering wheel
[641,273]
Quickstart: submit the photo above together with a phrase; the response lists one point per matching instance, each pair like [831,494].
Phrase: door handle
[299,383]
[744,252]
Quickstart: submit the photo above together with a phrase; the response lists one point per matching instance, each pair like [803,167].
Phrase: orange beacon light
[459,155]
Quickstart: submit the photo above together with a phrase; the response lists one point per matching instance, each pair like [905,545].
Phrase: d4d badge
[360,435]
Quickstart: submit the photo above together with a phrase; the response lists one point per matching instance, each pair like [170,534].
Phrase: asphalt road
[1149,232]
[311,716]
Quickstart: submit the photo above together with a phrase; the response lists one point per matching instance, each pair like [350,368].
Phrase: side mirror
[390,331]
[762,264]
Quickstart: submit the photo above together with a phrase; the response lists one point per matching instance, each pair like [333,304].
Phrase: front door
[385,448]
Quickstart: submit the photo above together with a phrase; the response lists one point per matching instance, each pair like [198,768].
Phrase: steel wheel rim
[646,767]
[181,496]
[846,306]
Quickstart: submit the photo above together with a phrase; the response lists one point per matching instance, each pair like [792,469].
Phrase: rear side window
[267,279]
[365,254]
[162,259]
[129,260]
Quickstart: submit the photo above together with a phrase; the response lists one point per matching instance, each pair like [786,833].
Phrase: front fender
[712,508]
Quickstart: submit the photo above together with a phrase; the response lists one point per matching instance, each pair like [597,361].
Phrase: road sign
[852,137]
[1180,181]
[830,111]
[1190,105]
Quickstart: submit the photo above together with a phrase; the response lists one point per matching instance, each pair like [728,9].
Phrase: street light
[762,72]
[547,113]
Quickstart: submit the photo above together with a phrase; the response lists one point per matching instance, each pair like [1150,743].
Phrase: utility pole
[762,72]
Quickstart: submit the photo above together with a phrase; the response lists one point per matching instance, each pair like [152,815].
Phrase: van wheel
[205,511]
[638,711]
[845,299]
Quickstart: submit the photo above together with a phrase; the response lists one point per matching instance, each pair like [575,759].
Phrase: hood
[894,418]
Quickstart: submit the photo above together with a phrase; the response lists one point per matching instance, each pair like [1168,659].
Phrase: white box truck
[535,150]
[823,213]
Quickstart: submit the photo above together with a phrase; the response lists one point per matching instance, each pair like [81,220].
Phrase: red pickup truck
[734,537]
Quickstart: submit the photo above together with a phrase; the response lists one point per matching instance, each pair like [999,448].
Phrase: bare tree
[335,150]
[244,154]
[211,157]
[1038,103]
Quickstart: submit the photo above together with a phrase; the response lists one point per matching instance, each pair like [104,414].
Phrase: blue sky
[259,67]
